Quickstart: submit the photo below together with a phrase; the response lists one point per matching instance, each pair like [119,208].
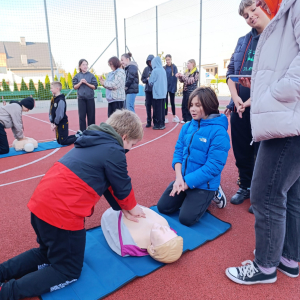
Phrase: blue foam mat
[41,147]
[105,272]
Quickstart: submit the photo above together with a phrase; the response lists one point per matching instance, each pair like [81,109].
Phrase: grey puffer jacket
[275,88]
[11,117]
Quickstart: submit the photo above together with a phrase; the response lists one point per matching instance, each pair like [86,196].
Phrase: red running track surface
[199,274]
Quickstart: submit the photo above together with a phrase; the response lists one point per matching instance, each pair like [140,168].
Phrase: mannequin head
[166,246]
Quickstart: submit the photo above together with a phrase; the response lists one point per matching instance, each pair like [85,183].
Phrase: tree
[70,83]
[93,71]
[97,77]
[47,80]
[32,86]
[55,78]
[5,86]
[63,83]
[15,87]
[75,72]
[163,58]
[41,91]
[47,88]
[24,87]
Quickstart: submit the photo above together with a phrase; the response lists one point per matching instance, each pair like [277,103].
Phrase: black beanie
[28,103]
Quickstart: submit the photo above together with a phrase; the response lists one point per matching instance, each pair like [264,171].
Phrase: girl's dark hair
[80,63]
[127,55]
[170,56]
[115,62]
[207,98]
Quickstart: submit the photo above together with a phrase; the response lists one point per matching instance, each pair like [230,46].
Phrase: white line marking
[22,180]
[44,121]
[33,162]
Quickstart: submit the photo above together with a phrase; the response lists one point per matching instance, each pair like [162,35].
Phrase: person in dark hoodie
[241,63]
[132,80]
[63,199]
[58,118]
[11,117]
[148,89]
[200,155]
[159,83]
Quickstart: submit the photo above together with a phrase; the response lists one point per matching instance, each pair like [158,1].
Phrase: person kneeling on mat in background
[11,117]
[67,194]
[58,117]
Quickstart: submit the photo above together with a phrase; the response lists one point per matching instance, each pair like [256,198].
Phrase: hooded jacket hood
[97,135]
[149,58]
[274,6]
[133,63]
[156,63]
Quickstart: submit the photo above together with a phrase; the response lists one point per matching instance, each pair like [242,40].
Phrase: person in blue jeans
[132,80]
[200,155]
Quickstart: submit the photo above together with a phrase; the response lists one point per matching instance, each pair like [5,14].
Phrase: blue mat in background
[41,147]
[105,272]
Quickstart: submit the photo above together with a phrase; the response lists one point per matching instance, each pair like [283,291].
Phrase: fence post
[125,35]
[116,25]
[49,45]
[156,32]
[200,42]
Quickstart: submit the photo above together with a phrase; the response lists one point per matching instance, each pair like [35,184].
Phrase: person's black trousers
[4,146]
[55,264]
[149,103]
[186,115]
[86,109]
[158,112]
[244,152]
[62,134]
[113,106]
[193,203]
[172,100]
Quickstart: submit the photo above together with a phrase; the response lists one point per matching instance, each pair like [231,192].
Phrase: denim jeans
[130,99]
[275,196]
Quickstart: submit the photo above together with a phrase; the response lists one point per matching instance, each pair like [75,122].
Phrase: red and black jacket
[71,188]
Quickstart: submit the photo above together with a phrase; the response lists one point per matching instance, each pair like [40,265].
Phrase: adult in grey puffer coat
[275,120]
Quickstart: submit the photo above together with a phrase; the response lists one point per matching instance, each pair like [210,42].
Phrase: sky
[83,29]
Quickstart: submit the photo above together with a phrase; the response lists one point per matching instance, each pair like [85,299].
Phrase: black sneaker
[291,272]
[148,125]
[156,128]
[249,273]
[220,198]
[162,127]
[250,210]
[240,196]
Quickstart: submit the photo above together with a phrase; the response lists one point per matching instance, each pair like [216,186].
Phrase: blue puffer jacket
[236,60]
[202,149]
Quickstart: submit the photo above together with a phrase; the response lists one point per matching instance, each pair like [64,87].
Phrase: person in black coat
[132,80]
[148,89]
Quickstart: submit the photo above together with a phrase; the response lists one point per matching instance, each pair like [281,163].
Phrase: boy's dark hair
[115,62]
[80,63]
[207,98]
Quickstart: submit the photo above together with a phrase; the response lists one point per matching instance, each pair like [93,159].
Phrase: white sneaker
[182,122]
[220,198]
[166,121]
[176,119]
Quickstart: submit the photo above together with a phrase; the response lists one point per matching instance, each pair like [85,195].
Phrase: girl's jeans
[130,99]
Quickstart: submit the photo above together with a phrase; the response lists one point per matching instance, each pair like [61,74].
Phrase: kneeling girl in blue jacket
[199,158]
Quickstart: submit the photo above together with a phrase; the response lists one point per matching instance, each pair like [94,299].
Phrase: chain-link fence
[175,28]
[33,31]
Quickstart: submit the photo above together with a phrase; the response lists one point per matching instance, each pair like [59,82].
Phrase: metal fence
[205,30]
[43,40]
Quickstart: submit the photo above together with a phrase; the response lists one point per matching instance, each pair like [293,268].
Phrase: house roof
[37,55]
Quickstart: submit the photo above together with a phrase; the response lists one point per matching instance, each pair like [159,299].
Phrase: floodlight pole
[156,31]
[49,45]
[125,35]
[200,42]
[116,25]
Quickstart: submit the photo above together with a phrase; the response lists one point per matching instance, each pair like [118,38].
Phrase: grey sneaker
[220,198]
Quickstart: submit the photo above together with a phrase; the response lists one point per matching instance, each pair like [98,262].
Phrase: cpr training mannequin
[149,236]
[27,144]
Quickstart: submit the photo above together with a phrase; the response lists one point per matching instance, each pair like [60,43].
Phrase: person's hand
[246,82]
[4,103]
[53,126]
[227,112]
[129,216]
[134,214]
[101,80]
[241,110]
[185,187]
[178,186]
[83,81]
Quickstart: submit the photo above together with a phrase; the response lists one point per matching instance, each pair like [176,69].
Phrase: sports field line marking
[21,180]
[33,162]
[44,121]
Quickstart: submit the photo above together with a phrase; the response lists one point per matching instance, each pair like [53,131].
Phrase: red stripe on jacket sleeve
[128,203]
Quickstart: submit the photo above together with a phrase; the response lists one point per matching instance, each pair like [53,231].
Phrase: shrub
[75,72]
[15,87]
[70,83]
[55,78]
[41,91]
[5,86]
[24,87]
[32,86]
[63,83]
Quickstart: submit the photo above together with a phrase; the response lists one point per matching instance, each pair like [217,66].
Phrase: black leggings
[172,100]
[86,109]
[55,264]
[4,147]
[113,106]
[193,203]
[62,134]
[186,115]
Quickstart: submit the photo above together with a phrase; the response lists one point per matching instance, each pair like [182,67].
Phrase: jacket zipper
[190,146]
